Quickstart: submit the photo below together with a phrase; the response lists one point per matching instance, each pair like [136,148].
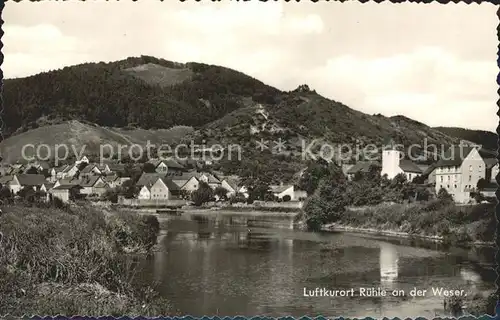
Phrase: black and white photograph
[248,158]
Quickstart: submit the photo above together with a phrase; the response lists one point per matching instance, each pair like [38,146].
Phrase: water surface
[246,266]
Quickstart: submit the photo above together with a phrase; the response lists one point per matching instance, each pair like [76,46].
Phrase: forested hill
[487,139]
[141,92]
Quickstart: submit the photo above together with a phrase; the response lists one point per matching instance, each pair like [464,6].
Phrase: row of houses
[159,186]
[87,179]
[166,179]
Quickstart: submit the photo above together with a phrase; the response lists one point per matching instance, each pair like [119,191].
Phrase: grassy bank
[75,260]
[436,220]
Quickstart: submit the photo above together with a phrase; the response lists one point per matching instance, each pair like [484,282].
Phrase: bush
[71,261]
[202,195]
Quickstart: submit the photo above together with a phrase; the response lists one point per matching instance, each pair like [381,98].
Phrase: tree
[444,196]
[128,189]
[481,184]
[237,197]
[111,195]
[149,168]
[286,198]
[315,172]
[220,192]
[419,179]
[326,205]
[202,195]
[74,193]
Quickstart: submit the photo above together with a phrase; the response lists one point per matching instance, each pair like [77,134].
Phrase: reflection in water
[470,277]
[232,268]
[159,261]
[388,264]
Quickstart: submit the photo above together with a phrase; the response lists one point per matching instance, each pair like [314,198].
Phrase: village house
[167,166]
[155,186]
[430,174]
[491,168]
[20,181]
[117,168]
[40,165]
[231,185]
[69,171]
[144,193]
[459,170]
[114,180]
[190,185]
[57,173]
[90,170]
[17,168]
[82,159]
[67,182]
[393,164]
[208,178]
[63,192]
[279,191]
[93,185]
[183,179]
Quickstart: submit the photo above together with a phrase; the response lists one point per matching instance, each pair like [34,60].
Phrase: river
[228,266]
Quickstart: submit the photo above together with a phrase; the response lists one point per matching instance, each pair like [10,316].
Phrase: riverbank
[68,260]
[243,211]
[434,221]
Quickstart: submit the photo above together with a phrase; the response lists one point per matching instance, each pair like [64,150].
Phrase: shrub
[51,259]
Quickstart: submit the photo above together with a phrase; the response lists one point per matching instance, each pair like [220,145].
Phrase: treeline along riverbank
[75,260]
[398,207]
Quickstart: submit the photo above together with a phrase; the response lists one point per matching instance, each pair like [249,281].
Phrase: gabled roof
[409,166]
[454,156]
[68,168]
[182,183]
[170,184]
[102,167]
[185,176]
[112,177]
[31,179]
[89,181]
[280,188]
[5,179]
[67,187]
[69,182]
[49,185]
[148,179]
[490,162]
[210,177]
[170,163]
[116,167]
[429,169]
[88,168]
[61,168]
[233,183]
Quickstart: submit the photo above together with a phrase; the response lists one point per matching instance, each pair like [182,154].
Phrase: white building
[283,190]
[393,164]
[458,172]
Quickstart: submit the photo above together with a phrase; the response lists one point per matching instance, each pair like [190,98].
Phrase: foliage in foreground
[73,261]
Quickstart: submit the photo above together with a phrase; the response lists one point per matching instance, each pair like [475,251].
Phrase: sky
[421,61]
